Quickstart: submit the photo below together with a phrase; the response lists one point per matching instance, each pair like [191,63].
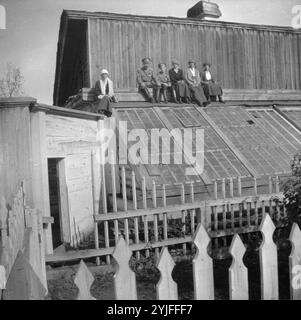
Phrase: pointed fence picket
[84,280]
[268,261]
[124,278]
[295,263]
[203,279]
[238,273]
[167,289]
[202,266]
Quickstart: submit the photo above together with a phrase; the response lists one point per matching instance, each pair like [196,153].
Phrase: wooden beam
[186,206]
[92,253]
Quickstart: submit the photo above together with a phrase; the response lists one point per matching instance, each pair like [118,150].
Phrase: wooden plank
[238,273]
[166,288]
[84,280]
[295,263]
[268,261]
[124,278]
[202,267]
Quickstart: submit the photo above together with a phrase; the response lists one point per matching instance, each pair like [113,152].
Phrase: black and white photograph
[150,151]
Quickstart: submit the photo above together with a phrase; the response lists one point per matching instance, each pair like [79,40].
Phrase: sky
[32,26]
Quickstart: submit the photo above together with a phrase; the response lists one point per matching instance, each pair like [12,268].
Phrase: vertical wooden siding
[242,58]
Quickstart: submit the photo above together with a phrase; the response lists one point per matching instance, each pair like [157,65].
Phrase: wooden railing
[203,276]
[150,227]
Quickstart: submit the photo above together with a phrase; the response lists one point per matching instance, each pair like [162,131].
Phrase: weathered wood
[186,206]
[238,273]
[124,278]
[248,45]
[202,266]
[23,283]
[295,263]
[166,288]
[268,261]
[84,280]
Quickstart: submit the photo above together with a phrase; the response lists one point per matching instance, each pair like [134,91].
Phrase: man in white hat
[105,93]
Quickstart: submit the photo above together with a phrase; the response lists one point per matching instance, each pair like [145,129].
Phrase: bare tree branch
[12,81]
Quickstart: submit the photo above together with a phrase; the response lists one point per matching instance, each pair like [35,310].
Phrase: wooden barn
[254,136]
[243,56]
[249,142]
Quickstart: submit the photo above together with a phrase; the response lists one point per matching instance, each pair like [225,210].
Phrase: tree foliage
[11,82]
[292,191]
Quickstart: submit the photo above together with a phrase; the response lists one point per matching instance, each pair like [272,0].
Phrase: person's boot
[180,100]
[158,96]
[187,100]
[165,96]
[220,99]
[148,95]
[174,96]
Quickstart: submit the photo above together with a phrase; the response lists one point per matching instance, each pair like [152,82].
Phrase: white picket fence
[203,279]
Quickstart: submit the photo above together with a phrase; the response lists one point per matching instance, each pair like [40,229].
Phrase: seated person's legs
[144,89]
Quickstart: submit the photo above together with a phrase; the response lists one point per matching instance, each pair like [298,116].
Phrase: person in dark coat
[105,94]
[146,79]
[211,88]
[164,82]
[193,79]
[180,90]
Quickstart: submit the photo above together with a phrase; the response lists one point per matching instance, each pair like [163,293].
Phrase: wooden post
[124,278]
[183,217]
[192,212]
[166,288]
[231,187]
[104,203]
[270,185]
[114,196]
[202,266]
[255,187]
[238,273]
[144,200]
[268,261]
[277,183]
[165,226]
[125,205]
[224,188]
[295,263]
[156,234]
[215,189]
[239,186]
[95,205]
[136,226]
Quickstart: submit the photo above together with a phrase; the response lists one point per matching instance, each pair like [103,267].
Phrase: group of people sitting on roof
[187,86]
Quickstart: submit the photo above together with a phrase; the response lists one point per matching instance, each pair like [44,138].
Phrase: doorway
[54,199]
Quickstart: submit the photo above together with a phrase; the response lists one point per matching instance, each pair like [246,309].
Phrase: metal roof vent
[204,9]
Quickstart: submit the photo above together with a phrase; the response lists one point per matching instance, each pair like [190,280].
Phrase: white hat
[104,71]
